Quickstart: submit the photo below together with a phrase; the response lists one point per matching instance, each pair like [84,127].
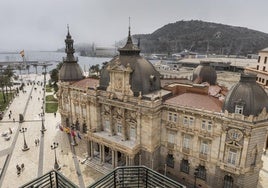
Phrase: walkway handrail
[50,179]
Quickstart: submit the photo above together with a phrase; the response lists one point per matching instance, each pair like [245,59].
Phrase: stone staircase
[95,164]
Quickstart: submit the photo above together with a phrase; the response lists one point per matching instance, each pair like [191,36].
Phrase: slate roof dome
[144,77]
[204,73]
[70,70]
[246,94]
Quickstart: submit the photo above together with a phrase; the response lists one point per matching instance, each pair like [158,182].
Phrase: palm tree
[35,66]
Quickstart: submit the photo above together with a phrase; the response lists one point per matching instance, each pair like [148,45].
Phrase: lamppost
[74,143]
[196,172]
[25,147]
[43,129]
[54,146]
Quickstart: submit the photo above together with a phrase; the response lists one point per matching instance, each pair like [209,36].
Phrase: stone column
[244,152]
[92,150]
[116,159]
[89,148]
[131,160]
[127,163]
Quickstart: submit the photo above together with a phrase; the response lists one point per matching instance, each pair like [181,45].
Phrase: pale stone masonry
[195,132]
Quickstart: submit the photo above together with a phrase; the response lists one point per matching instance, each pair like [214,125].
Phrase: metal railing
[125,176]
[52,179]
[135,176]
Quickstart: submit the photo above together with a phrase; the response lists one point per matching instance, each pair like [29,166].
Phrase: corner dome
[247,95]
[70,70]
[204,73]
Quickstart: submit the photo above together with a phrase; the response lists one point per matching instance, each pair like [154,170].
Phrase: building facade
[261,68]
[193,131]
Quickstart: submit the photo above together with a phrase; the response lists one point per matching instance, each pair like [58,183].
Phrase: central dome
[144,78]
[246,95]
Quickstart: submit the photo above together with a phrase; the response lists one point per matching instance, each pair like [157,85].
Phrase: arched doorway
[228,181]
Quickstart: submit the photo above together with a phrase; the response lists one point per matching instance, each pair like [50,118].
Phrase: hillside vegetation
[203,37]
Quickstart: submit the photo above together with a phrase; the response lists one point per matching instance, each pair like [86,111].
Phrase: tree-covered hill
[203,37]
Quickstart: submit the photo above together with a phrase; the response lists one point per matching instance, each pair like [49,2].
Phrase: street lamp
[54,146]
[196,172]
[25,147]
[74,143]
[43,129]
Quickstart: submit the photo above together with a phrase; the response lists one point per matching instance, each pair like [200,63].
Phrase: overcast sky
[42,24]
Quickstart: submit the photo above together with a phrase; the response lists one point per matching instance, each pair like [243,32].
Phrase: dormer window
[239,109]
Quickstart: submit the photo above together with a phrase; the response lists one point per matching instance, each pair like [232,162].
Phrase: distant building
[261,69]
[192,130]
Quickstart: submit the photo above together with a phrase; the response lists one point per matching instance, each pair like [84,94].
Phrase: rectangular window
[263,68]
[172,117]
[169,116]
[77,109]
[203,125]
[191,121]
[259,58]
[132,133]
[175,117]
[171,137]
[209,126]
[186,141]
[83,112]
[204,147]
[107,125]
[232,156]
[265,60]
[119,129]
[185,120]
[238,109]
[258,67]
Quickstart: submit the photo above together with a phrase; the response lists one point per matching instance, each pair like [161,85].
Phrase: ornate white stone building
[194,131]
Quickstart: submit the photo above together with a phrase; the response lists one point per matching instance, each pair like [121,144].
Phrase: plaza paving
[40,159]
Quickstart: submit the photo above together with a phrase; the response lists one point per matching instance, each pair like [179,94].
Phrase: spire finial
[129,26]
[68,28]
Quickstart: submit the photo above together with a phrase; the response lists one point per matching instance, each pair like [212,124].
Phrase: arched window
[185,166]
[170,160]
[228,181]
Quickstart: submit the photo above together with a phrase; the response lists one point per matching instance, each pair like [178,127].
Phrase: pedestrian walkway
[39,159]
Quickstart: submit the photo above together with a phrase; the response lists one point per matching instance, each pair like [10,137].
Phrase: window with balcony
[171,137]
[232,155]
[119,129]
[185,166]
[186,141]
[132,133]
[204,147]
[107,126]
[239,109]
[170,160]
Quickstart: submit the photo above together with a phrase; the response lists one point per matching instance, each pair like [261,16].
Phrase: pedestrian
[22,167]
[38,98]
[18,169]
[10,112]
[35,141]
[54,114]
[10,131]
[9,116]
[13,119]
